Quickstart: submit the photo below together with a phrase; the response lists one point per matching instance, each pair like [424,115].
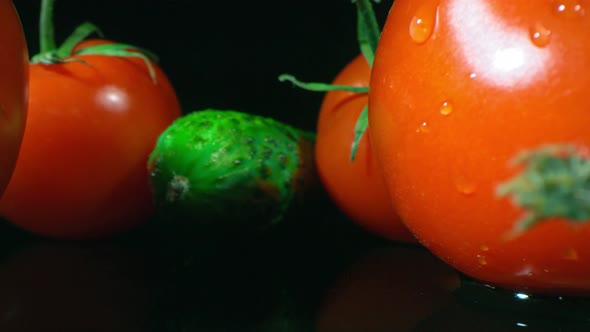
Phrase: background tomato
[356,187]
[92,124]
[459,87]
[13,89]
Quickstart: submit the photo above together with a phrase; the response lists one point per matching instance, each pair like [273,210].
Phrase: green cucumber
[229,170]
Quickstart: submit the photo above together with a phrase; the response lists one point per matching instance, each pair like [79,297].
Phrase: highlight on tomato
[479,119]
[13,89]
[96,109]
[344,159]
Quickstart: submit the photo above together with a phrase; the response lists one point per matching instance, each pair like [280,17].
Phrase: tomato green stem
[368,32]
[46,32]
[51,54]
[321,87]
[555,182]
[359,130]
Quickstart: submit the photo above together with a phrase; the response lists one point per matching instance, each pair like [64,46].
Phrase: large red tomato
[460,87]
[356,187]
[13,89]
[91,126]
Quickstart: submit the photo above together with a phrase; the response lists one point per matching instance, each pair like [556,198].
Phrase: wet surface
[313,274]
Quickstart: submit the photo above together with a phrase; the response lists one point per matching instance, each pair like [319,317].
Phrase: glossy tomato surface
[459,88]
[13,89]
[91,126]
[356,187]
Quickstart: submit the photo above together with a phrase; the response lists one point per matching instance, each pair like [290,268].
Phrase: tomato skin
[13,89]
[508,91]
[355,187]
[82,169]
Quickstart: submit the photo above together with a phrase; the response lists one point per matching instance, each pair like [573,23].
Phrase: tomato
[91,126]
[458,88]
[13,89]
[356,187]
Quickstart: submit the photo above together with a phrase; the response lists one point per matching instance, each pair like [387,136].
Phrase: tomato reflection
[389,289]
[62,287]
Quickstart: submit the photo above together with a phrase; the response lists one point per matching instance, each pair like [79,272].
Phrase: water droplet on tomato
[472,75]
[482,260]
[446,108]
[423,128]
[464,185]
[540,35]
[424,22]
[568,8]
[484,247]
[571,255]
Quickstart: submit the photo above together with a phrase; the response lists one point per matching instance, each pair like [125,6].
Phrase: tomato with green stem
[344,158]
[458,89]
[13,89]
[95,112]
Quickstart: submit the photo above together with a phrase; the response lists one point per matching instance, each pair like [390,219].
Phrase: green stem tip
[555,183]
[51,54]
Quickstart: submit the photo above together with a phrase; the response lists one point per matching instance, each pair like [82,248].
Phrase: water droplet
[521,296]
[472,75]
[568,8]
[484,247]
[482,260]
[423,128]
[464,185]
[446,108]
[540,35]
[571,255]
[424,22]
[237,162]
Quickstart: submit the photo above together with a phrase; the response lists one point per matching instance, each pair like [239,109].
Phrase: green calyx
[51,54]
[368,34]
[555,182]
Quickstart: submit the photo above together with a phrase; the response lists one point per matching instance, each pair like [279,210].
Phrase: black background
[226,54]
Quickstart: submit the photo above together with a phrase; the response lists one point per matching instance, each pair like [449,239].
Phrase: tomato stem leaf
[368,32]
[321,87]
[46,32]
[555,182]
[120,50]
[359,130]
[49,54]
[80,33]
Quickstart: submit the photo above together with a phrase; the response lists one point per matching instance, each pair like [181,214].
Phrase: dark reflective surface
[312,274]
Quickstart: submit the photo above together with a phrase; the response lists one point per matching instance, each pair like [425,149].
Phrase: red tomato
[458,88]
[91,126]
[355,187]
[13,89]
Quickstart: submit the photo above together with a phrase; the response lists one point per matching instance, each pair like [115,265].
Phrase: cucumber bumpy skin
[230,170]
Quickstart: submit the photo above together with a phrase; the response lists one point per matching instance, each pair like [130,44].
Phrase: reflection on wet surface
[324,276]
